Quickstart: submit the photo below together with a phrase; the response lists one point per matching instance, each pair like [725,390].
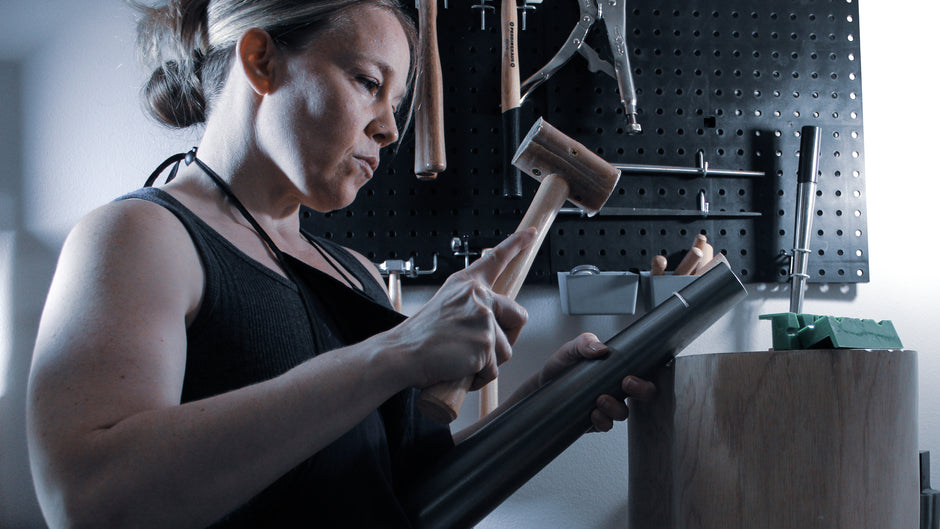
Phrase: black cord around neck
[190,157]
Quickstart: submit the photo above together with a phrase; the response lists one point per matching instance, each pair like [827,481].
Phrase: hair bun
[174,96]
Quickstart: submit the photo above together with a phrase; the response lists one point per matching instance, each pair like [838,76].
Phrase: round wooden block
[815,439]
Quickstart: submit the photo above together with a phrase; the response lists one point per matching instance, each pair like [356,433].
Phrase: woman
[200,359]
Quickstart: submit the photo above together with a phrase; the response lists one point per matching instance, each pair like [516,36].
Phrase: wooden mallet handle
[689,262]
[394,290]
[658,266]
[430,158]
[441,402]
[568,171]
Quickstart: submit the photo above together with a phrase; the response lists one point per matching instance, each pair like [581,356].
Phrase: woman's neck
[257,183]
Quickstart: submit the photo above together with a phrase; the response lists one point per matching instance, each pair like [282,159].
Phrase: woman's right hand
[466,329]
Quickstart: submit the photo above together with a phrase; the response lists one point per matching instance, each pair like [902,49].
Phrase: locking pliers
[613,14]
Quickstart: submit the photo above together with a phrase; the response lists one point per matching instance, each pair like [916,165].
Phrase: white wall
[83,140]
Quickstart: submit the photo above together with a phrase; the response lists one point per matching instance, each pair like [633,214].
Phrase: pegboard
[734,80]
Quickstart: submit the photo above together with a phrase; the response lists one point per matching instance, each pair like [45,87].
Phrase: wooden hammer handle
[441,402]
[509,72]
[430,158]
[551,195]
[394,290]
[509,84]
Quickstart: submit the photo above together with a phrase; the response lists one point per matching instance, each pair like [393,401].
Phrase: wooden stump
[818,439]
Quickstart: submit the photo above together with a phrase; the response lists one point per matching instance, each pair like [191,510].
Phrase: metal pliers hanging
[613,14]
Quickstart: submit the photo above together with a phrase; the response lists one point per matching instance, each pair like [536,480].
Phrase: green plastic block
[808,331]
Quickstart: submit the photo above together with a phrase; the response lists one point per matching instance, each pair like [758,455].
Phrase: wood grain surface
[816,439]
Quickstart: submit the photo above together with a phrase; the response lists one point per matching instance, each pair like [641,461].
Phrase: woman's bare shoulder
[133,244]
[129,227]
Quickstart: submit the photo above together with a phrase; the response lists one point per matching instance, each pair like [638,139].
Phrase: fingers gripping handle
[441,402]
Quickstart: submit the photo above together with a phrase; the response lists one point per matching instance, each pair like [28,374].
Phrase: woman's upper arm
[112,338]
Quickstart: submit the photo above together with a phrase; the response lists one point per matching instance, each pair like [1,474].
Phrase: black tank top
[251,327]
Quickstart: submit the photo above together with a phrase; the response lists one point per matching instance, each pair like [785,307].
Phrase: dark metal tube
[485,469]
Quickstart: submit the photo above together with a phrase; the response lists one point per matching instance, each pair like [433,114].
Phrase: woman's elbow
[74,498]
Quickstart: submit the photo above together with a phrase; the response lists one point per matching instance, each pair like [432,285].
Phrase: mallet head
[545,150]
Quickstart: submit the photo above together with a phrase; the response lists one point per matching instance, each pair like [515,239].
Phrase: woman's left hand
[607,408]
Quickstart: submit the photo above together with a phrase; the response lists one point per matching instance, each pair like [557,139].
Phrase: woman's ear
[256,53]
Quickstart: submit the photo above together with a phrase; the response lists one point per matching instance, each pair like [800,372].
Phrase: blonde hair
[189,44]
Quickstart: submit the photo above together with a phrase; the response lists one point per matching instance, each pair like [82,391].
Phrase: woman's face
[324,125]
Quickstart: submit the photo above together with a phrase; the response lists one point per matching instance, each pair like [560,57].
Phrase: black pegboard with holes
[735,80]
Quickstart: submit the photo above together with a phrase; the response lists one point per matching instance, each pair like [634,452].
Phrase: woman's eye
[370,84]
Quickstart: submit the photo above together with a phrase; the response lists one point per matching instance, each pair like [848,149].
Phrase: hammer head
[545,150]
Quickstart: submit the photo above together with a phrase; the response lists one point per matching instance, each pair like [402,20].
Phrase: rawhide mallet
[567,171]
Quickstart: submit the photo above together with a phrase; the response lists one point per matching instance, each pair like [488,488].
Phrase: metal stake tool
[810,138]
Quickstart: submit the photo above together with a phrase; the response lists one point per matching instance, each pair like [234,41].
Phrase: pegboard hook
[461,248]
[701,164]
[405,268]
[525,8]
[483,7]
